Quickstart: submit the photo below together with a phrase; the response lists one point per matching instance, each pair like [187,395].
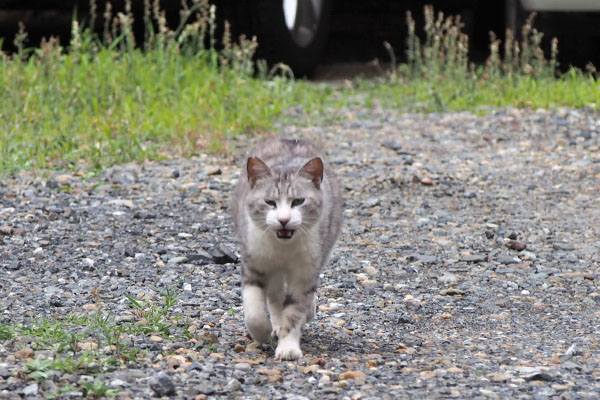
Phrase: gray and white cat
[287,211]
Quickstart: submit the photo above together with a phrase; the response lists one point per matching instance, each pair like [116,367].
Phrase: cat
[287,212]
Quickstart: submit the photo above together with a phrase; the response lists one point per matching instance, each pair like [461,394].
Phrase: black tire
[277,43]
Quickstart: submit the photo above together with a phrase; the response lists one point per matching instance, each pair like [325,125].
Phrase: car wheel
[293,32]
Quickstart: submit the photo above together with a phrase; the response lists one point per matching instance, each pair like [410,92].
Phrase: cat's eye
[297,202]
[270,203]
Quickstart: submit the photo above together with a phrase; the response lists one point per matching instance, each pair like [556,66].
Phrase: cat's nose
[283,221]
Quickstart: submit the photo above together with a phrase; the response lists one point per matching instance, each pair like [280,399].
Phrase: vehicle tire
[293,32]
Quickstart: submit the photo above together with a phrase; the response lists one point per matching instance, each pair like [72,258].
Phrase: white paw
[288,350]
[260,328]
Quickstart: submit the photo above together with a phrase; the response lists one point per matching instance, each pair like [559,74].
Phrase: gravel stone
[162,385]
[222,255]
[232,386]
[178,260]
[31,390]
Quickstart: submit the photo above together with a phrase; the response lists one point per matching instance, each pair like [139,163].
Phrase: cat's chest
[269,253]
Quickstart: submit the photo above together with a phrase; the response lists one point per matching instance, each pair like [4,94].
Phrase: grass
[574,89]
[101,100]
[114,108]
[93,344]
[439,77]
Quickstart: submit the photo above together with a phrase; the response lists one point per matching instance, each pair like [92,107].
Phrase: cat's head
[284,201]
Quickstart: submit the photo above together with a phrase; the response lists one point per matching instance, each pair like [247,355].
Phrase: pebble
[175,360]
[48,386]
[563,246]
[223,255]
[162,385]
[178,260]
[516,245]
[369,282]
[122,203]
[24,354]
[539,376]
[214,171]
[452,292]
[242,366]
[498,377]
[118,383]
[87,262]
[233,385]
[475,258]
[318,361]
[448,278]
[507,260]
[369,270]
[31,390]
[372,202]
[412,302]
[348,375]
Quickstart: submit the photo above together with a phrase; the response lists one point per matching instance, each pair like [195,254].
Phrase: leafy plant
[156,317]
[98,389]
[38,369]
[6,332]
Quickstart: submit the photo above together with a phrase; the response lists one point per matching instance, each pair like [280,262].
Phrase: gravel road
[468,266]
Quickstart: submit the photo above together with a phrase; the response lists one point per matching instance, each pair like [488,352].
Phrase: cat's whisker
[305,230]
[264,232]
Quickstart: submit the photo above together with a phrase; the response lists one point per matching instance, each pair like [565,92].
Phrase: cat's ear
[256,169]
[313,170]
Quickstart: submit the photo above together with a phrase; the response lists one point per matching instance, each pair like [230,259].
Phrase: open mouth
[285,233]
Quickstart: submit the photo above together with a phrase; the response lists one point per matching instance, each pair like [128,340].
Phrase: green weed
[439,77]
[156,317]
[212,348]
[98,389]
[94,344]
[38,369]
[6,332]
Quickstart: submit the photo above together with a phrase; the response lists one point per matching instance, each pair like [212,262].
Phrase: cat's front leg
[275,298]
[296,307]
[255,305]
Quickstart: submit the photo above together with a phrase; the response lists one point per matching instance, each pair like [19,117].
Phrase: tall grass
[103,99]
[438,75]
[444,51]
